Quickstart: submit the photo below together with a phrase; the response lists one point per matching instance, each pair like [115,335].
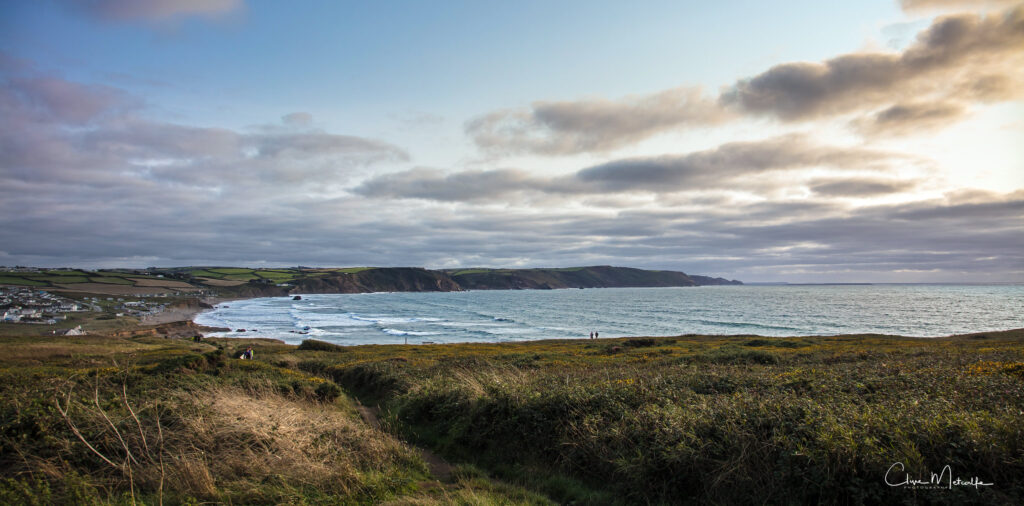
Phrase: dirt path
[439,468]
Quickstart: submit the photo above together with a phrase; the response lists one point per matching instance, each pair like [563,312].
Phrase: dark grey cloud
[910,118]
[865,187]
[731,165]
[952,51]
[972,237]
[431,184]
[954,5]
[154,10]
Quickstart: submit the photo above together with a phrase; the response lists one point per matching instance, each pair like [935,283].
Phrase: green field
[206,273]
[276,276]
[19,281]
[231,270]
[352,270]
[112,280]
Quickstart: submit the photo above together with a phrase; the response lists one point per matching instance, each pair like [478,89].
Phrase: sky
[799,141]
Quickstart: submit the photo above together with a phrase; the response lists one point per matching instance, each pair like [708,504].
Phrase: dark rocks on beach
[240,330]
[297,297]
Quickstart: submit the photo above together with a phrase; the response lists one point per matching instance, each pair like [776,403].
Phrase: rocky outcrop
[706,280]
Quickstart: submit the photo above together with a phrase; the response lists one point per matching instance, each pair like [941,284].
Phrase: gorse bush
[315,345]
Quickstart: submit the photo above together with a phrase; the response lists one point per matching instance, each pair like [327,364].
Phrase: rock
[297,297]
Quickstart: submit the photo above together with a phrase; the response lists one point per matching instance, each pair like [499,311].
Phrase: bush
[314,345]
[639,342]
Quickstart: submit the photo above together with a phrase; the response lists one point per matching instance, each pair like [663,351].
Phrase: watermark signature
[943,479]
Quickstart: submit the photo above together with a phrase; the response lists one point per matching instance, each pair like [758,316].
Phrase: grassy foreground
[690,419]
[149,420]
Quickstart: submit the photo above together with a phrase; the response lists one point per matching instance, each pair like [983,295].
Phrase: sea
[524,315]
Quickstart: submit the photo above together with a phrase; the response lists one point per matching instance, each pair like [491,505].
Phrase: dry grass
[227,441]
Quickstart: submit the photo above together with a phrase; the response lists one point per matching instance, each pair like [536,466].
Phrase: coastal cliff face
[578,277]
[392,279]
[416,279]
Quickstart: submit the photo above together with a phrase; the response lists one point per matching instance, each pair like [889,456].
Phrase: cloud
[60,130]
[945,61]
[957,61]
[865,187]
[910,118]
[431,184]
[155,10]
[302,119]
[954,5]
[142,222]
[731,165]
[592,125]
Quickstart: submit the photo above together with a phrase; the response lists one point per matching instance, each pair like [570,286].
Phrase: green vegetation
[249,282]
[113,280]
[231,270]
[206,274]
[687,419]
[62,277]
[352,270]
[147,420]
[276,276]
[6,279]
[729,420]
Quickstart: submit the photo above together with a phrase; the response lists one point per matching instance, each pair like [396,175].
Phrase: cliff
[602,276]
[281,282]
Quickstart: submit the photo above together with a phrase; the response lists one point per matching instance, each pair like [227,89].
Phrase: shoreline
[187,313]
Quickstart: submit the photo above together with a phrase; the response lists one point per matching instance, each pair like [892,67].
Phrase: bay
[518,315]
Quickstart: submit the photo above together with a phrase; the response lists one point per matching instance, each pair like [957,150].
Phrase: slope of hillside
[577,277]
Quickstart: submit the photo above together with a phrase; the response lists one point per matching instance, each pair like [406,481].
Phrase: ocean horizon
[771,310]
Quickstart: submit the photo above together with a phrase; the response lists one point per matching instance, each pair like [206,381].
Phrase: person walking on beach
[595,334]
[591,334]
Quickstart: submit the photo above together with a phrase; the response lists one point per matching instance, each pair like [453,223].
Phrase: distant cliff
[383,279]
[280,282]
[602,276]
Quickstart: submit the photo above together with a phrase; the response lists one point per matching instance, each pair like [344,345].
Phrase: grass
[20,281]
[352,270]
[231,270]
[276,276]
[106,420]
[113,280]
[679,420]
[710,419]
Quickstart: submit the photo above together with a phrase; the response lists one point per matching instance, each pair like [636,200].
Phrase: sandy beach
[182,312]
